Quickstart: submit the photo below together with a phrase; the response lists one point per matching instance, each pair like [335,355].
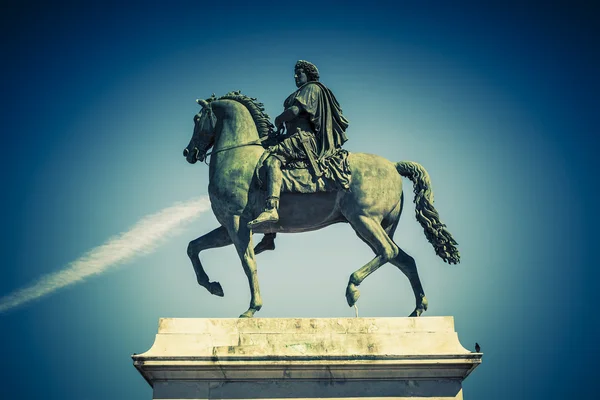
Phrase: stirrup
[267,216]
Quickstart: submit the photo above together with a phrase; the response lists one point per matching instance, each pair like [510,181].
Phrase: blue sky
[498,102]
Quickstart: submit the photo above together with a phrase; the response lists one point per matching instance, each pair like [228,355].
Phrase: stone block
[307,358]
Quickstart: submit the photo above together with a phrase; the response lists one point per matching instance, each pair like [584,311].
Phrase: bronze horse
[233,126]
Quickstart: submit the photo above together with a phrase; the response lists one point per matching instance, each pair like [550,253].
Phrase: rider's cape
[329,125]
[325,114]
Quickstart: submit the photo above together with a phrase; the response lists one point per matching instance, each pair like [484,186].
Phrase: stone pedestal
[307,358]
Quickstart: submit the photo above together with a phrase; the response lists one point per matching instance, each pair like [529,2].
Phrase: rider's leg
[274,181]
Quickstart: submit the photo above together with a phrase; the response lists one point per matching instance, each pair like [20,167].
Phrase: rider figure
[315,131]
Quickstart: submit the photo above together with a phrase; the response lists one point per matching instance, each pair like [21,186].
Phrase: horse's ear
[202,103]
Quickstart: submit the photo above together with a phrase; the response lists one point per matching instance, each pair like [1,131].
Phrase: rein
[257,142]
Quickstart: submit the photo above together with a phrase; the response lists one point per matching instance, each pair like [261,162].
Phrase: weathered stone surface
[307,358]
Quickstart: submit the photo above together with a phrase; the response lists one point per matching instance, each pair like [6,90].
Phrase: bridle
[207,107]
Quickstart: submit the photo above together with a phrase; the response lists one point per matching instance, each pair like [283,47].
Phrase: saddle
[309,175]
[297,177]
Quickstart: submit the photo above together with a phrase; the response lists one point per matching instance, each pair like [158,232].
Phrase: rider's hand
[279,125]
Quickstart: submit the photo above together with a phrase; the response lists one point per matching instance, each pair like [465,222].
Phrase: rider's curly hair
[312,73]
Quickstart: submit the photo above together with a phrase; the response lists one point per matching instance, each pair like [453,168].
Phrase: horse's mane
[256,109]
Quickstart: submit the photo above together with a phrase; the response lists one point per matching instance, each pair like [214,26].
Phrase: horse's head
[203,137]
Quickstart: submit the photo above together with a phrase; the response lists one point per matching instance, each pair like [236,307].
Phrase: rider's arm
[287,115]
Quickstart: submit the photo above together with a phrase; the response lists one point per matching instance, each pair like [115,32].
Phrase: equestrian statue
[295,176]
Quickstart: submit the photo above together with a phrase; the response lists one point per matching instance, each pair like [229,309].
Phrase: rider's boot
[270,214]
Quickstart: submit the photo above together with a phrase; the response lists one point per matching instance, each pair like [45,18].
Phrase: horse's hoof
[216,289]
[352,294]
[264,246]
[418,311]
[248,314]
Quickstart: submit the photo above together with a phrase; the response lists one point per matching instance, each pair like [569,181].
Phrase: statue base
[311,358]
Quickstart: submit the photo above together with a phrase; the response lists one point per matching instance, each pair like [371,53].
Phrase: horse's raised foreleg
[385,249]
[216,238]
[407,265]
[242,239]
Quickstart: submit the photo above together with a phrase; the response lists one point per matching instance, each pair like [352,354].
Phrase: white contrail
[143,238]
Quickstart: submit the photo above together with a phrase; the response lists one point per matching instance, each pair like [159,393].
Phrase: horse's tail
[435,231]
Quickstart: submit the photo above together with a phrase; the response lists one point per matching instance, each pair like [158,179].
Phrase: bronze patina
[370,198]
[316,132]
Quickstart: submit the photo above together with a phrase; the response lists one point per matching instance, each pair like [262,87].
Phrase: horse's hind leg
[407,265]
[385,249]
[216,238]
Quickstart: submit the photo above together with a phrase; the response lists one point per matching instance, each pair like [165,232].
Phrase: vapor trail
[143,238]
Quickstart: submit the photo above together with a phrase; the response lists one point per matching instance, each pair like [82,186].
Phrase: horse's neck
[234,130]
[235,125]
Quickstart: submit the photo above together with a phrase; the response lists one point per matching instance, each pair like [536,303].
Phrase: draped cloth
[319,106]
[325,115]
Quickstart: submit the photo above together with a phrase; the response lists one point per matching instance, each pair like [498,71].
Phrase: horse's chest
[229,192]
[230,180]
